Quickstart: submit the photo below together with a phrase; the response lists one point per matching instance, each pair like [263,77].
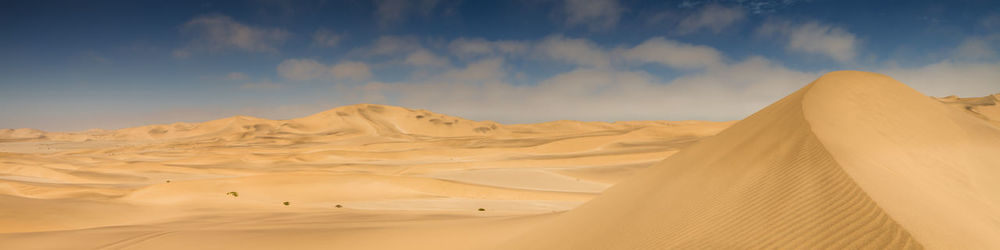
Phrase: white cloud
[950,77]
[972,71]
[216,32]
[479,91]
[453,84]
[424,58]
[308,69]
[596,90]
[575,51]
[595,14]
[670,53]
[326,38]
[814,38]
[712,17]
[237,76]
[674,54]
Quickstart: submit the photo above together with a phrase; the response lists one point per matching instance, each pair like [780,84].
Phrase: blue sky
[74,65]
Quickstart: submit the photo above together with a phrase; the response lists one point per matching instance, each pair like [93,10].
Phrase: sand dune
[414,170]
[853,160]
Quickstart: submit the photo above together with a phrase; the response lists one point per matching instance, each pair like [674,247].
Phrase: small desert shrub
[286,203]
[234,194]
[168,181]
[482,209]
[339,206]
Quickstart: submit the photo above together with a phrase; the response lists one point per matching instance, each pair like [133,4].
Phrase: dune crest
[853,160]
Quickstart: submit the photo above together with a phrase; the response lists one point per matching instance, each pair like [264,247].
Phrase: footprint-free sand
[852,160]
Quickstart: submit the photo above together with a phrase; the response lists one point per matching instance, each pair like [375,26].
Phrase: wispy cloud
[814,38]
[302,69]
[326,38]
[473,47]
[574,51]
[976,48]
[674,54]
[983,46]
[309,69]
[950,77]
[606,83]
[425,58]
[356,71]
[219,32]
[712,17]
[597,15]
[390,45]
[480,91]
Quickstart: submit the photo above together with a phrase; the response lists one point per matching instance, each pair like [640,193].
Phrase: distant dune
[386,167]
[986,108]
[853,160]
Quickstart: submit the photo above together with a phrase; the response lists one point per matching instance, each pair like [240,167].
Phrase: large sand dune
[853,160]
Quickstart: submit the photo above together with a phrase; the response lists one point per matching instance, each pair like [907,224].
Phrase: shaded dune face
[830,166]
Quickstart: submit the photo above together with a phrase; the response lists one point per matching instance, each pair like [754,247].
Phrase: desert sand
[852,160]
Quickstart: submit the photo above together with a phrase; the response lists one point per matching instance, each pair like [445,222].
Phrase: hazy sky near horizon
[75,65]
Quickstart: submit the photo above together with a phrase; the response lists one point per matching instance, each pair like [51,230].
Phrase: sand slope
[931,167]
[853,160]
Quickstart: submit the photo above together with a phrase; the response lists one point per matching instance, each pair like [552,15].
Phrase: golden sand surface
[853,160]
[415,176]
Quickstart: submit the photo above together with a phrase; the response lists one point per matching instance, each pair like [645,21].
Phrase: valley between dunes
[852,160]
